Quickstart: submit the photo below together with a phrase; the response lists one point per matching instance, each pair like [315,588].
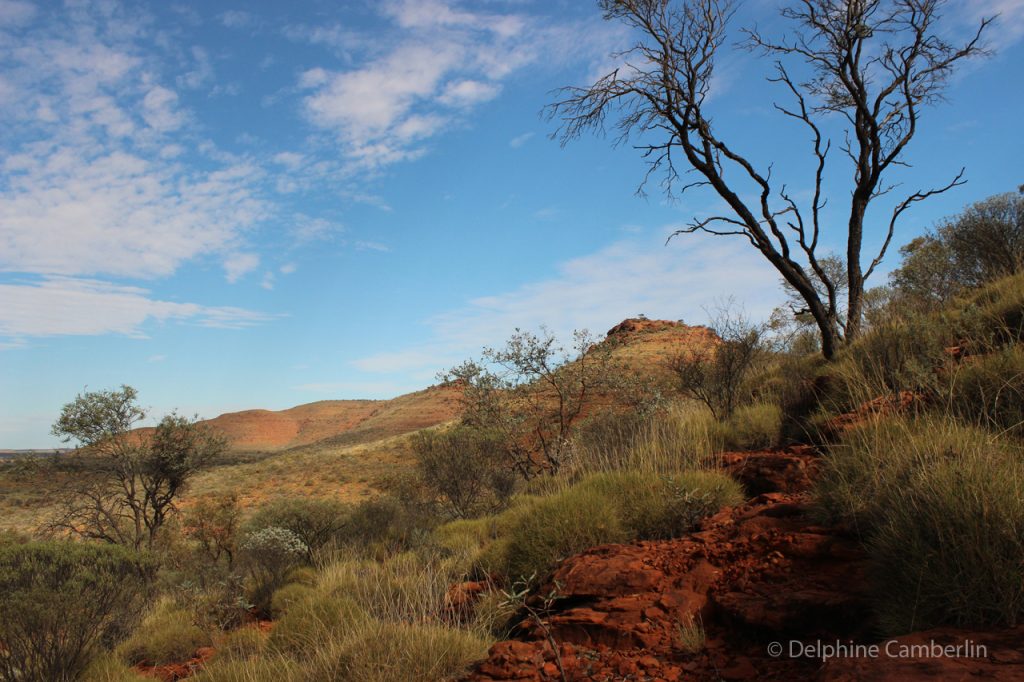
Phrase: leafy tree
[532,394]
[871,65]
[63,602]
[213,524]
[135,478]
[982,244]
[465,469]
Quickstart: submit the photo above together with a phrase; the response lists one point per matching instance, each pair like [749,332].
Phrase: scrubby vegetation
[920,423]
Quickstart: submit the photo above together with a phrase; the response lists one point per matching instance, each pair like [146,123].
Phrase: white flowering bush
[269,554]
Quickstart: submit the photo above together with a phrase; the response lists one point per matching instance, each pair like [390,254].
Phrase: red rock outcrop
[753,575]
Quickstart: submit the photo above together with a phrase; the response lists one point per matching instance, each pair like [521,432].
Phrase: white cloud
[16,12]
[468,92]
[237,19]
[435,66]
[66,212]
[93,183]
[201,72]
[519,140]
[307,229]
[290,160]
[237,265]
[1008,27]
[59,306]
[160,109]
[596,292]
[288,268]
[372,246]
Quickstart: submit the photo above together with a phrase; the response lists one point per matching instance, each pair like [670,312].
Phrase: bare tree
[718,375]
[532,393]
[872,64]
[132,480]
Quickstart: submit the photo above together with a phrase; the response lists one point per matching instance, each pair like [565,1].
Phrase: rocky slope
[761,573]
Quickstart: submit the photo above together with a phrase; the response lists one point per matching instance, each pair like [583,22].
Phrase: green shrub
[398,652]
[316,522]
[255,669]
[672,439]
[107,667]
[241,643]
[940,507]
[62,602]
[465,468]
[269,554]
[951,550]
[875,461]
[312,621]
[652,507]
[558,526]
[989,390]
[754,427]
[166,635]
[285,597]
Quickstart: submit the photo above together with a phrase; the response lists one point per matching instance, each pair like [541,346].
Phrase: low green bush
[939,505]
[308,623]
[254,669]
[318,523]
[951,550]
[166,635]
[64,602]
[754,427]
[989,390]
[652,507]
[107,667]
[398,652]
[286,596]
[558,526]
[241,643]
[269,554]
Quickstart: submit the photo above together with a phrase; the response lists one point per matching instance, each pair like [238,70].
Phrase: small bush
[951,551]
[754,427]
[166,635]
[397,652]
[672,439]
[558,526]
[107,667]
[63,602]
[465,468]
[241,643]
[255,669]
[940,506]
[989,390]
[317,523]
[654,507]
[270,553]
[287,596]
[312,621]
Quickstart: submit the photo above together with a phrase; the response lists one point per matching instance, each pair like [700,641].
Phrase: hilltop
[640,344]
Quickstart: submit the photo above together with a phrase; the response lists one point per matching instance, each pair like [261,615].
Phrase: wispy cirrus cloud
[63,306]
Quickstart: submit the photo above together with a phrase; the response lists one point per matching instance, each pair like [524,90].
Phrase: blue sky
[261,204]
